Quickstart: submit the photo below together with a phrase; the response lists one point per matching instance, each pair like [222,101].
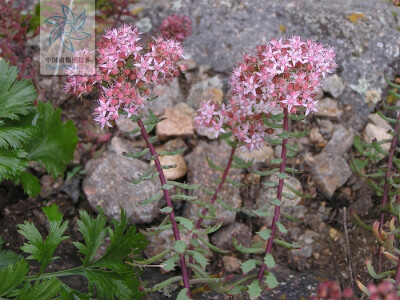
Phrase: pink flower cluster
[279,75]
[126,72]
[176,27]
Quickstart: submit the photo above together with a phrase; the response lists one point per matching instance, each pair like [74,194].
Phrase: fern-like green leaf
[42,289]
[16,96]
[12,163]
[94,232]
[12,276]
[56,141]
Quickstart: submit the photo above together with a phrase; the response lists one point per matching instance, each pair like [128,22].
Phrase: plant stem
[278,194]
[213,199]
[386,186]
[169,203]
[397,277]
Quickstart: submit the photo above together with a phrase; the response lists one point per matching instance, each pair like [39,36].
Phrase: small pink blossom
[176,27]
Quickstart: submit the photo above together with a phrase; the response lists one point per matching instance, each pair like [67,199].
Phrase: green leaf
[39,249]
[358,144]
[8,258]
[214,166]
[93,231]
[286,244]
[227,206]
[266,173]
[249,265]
[169,264]
[166,210]
[201,260]
[166,167]
[265,234]
[276,161]
[172,153]
[281,228]
[271,124]
[234,183]
[282,176]
[269,261]
[16,96]
[12,276]
[42,289]
[188,224]
[183,295]
[270,280]
[14,135]
[29,182]
[136,154]
[55,142]
[183,197]
[167,187]
[211,246]
[276,202]
[184,185]
[153,198]
[12,163]
[254,289]
[180,246]
[273,141]
[243,249]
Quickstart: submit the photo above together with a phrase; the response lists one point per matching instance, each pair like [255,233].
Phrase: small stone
[333,85]
[172,145]
[177,123]
[341,141]
[168,95]
[50,186]
[105,186]
[165,240]
[329,171]
[71,188]
[263,155]
[119,145]
[372,132]
[173,173]
[231,264]
[315,136]
[378,121]
[327,108]
[199,172]
[202,91]
[306,241]
[325,127]
[126,125]
[334,234]
[223,238]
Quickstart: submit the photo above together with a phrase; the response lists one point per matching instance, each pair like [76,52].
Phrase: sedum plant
[380,165]
[30,133]
[270,87]
[108,275]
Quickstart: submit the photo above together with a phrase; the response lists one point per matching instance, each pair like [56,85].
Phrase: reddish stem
[213,199]
[278,194]
[386,186]
[169,203]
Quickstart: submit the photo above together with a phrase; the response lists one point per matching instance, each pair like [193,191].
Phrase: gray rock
[328,108]
[200,172]
[263,155]
[223,238]
[204,90]
[366,48]
[168,95]
[333,85]
[372,132]
[119,145]
[329,171]
[105,186]
[325,127]
[71,188]
[378,121]
[306,241]
[341,141]
[177,123]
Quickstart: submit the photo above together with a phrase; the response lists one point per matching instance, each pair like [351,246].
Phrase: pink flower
[127,72]
[279,74]
[176,27]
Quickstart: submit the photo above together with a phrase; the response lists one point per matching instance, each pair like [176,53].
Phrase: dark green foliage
[29,133]
[110,276]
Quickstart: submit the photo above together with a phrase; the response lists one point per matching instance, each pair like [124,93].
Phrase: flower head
[127,72]
[176,27]
[280,74]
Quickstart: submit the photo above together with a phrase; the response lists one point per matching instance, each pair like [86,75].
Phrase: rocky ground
[366,38]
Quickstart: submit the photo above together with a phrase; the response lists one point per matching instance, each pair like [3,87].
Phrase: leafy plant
[29,133]
[109,276]
[385,180]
